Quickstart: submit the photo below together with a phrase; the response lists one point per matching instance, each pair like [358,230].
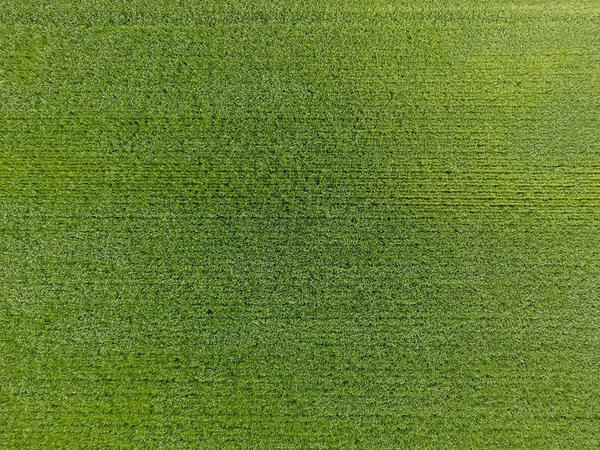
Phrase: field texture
[238,224]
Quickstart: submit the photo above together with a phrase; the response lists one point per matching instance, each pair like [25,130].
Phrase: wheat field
[340,224]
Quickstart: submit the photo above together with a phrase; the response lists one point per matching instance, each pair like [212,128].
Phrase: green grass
[335,225]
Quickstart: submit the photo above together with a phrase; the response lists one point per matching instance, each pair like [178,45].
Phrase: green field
[236,224]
